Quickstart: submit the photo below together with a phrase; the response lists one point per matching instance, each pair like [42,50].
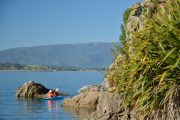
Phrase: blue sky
[42,22]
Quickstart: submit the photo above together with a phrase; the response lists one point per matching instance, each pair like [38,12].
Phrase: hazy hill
[86,55]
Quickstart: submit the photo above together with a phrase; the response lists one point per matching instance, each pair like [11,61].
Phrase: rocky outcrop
[34,90]
[109,107]
[97,103]
[87,98]
[102,104]
[108,101]
[139,12]
[135,22]
[31,90]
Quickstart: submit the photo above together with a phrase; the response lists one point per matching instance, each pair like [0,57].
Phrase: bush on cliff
[122,38]
[148,70]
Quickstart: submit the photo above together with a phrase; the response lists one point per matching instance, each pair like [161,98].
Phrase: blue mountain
[84,55]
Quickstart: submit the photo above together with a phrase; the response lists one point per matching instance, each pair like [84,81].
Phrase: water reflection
[53,105]
[34,105]
[69,82]
[80,112]
[31,105]
[49,105]
[42,109]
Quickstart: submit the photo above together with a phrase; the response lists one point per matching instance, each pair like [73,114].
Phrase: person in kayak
[51,93]
[56,91]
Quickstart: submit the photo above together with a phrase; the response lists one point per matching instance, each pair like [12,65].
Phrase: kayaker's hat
[50,90]
[56,89]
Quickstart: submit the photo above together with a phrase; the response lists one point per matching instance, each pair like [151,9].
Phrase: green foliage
[122,38]
[149,67]
[126,15]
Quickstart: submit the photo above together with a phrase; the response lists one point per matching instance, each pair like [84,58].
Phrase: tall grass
[147,72]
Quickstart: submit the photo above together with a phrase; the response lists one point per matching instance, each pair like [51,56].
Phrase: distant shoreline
[51,70]
[37,68]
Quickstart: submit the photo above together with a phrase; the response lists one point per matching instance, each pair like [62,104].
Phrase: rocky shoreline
[108,103]
[104,105]
[95,102]
[86,98]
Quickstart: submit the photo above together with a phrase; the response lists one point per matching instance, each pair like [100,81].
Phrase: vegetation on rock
[117,49]
[147,72]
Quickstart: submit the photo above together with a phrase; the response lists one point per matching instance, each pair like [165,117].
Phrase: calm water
[68,82]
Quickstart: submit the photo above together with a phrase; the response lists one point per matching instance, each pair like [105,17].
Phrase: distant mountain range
[85,55]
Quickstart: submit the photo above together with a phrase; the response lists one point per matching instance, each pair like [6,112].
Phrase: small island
[34,90]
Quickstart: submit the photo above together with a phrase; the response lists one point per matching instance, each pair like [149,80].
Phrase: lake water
[68,82]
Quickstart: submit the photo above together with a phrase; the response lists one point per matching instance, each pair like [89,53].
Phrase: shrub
[149,70]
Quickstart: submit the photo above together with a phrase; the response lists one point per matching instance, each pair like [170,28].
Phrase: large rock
[109,107]
[31,90]
[87,98]
[104,105]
